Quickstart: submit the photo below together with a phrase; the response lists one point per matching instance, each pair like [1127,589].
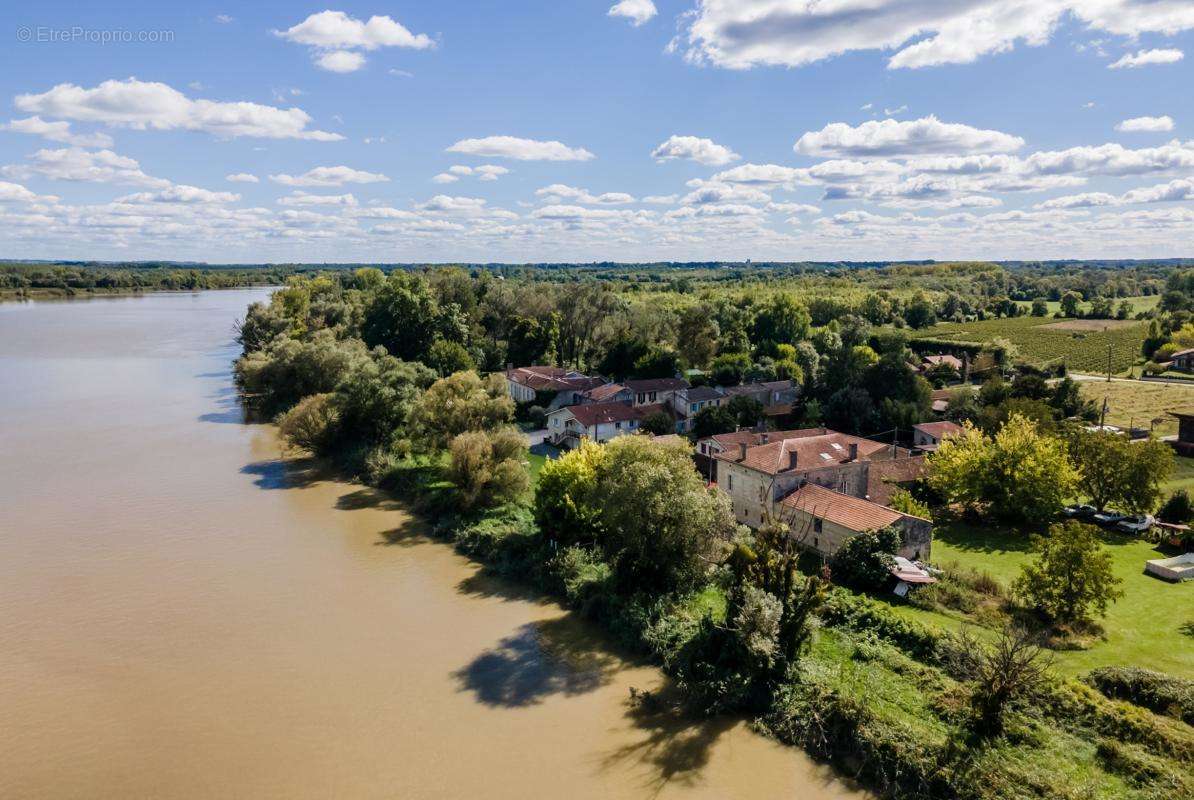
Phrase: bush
[487,467]
[864,561]
[1156,691]
[310,425]
[1178,509]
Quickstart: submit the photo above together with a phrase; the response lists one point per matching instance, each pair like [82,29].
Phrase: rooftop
[699,394]
[852,513]
[551,379]
[939,430]
[599,394]
[591,414]
[810,452]
[656,384]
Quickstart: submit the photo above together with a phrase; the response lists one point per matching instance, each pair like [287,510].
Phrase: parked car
[1137,523]
[1109,517]
[1079,511]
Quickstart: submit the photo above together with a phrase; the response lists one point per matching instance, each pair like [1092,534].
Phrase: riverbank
[188,613]
[20,295]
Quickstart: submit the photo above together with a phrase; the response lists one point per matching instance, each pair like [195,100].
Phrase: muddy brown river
[186,614]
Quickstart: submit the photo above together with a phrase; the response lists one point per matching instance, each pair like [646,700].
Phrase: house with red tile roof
[928,435]
[553,386]
[829,476]
[597,422]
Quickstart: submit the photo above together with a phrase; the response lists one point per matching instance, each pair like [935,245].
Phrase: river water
[184,613]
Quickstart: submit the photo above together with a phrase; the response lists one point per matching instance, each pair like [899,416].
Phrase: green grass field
[1140,402]
[1082,343]
[1143,629]
[1142,303]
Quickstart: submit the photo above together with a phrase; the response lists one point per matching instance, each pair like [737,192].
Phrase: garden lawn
[1182,477]
[1140,402]
[535,464]
[1143,628]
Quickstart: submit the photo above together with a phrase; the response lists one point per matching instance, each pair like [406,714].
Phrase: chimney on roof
[853,451]
[766,438]
[741,451]
[792,457]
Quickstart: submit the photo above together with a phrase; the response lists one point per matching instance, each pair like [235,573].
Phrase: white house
[566,386]
[598,422]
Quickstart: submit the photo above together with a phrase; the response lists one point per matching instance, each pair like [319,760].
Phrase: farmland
[1140,402]
[1041,339]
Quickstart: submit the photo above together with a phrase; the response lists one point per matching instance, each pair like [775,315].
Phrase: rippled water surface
[184,614]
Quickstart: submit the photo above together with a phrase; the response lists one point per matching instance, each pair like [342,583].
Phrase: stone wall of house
[918,538]
[753,492]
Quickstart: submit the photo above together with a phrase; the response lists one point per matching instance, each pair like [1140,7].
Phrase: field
[1143,303]
[1140,402]
[1039,340]
[1144,628]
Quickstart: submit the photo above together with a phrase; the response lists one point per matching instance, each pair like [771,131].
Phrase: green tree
[1040,307]
[696,336]
[1072,580]
[729,368]
[460,403]
[712,420]
[864,561]
[782,319]
[311,424]
[563,508]
[1117,471]
[1069,304]
[659,525]
[488,468]
[402,317]
[447,357]
[658,423]
[374,401]
[1178,509]
[746,411]
[999,676]
[920,312]
[1019,474]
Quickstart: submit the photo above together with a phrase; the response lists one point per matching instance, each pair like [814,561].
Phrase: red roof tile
[591,414]
[811,452]
[939,430]
[852,513]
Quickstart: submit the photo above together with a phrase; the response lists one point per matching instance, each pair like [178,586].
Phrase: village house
[928,435]
[691,401]
[823,520]
[929,362]
[655,391]
[608,393]
[1183,360]
[597,422]
[767,393]
[553,387]
[843,470]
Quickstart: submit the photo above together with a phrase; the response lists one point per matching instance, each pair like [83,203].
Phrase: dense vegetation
[387,375]
[62,280]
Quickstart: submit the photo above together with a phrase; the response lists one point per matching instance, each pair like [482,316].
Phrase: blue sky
[582,131]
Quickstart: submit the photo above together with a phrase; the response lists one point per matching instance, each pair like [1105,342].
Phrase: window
[817,523]
[816,542]
[618,425]
[731,483]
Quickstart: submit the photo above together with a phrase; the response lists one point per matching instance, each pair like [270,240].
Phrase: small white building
[928,435]
[598,422]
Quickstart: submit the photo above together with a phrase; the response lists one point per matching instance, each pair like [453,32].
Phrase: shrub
[1071,580]
[1178,509]
[864,561]
[487,467]
[1156,691]
[310,425]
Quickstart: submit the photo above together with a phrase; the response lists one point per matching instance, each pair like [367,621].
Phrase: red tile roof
[753,438]
[811,452]
[551,379]
[656,384]
[602,393]
[852,513]
[884,477]
[953,361]
[591,414]
[939,430]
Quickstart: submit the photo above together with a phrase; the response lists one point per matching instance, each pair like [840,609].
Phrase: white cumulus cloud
[241,177]
[58,131]
[329,176]
[300,198]
[1146,125]
[558,193]
[1143,58]
[693,148]
[520,149]
[889,137]
[77,164]
[335,38]
[637,11]
[740,34]
[144,105]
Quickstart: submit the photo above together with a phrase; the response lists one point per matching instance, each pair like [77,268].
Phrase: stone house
[598,422]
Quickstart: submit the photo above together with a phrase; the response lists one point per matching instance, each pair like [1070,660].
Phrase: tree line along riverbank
[361,369]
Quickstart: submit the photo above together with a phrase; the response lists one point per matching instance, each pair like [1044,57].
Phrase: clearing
[1139,403]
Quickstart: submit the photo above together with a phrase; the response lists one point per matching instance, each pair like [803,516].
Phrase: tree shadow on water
[487,586]
[674,746]
[540,659]
[286,474]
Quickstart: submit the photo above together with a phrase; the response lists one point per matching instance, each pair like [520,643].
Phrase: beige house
[928,435]
[843,472]
[598,422]
[566,387]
